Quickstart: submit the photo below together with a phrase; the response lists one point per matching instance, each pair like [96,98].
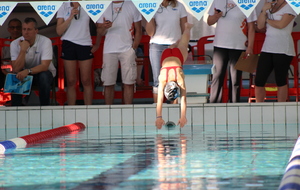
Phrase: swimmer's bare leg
[185,39]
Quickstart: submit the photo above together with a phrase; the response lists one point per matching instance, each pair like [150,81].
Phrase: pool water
[164,159]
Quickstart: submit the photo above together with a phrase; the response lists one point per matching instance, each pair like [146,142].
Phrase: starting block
[196,82]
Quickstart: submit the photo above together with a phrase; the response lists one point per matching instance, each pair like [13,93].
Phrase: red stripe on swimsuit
[169,68]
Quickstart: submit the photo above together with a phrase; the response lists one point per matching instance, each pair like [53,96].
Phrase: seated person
[14,28]
[32,54]
[171,77]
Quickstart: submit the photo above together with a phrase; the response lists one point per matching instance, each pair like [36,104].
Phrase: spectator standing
[31,54]
[278,49]
[120,20]
[165,29]
[73,26]
[234,34]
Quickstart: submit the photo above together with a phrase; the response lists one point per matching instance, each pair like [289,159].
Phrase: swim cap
[172,90]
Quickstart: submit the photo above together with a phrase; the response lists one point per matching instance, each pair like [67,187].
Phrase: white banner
[246,6]
[5,10]
[147,8]
[46,9]
[198,7]
[295,4]
[94,8]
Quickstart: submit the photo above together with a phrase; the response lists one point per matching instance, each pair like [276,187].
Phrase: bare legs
[109,94]
[260,94]
[282,93]
[86,80]
[185,39]
[70,71]
[128,93]
[155,98]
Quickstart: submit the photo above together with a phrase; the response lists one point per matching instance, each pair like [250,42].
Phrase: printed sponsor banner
[246,6]
[46,9]
[295,4]
[5,10]
[198,7]
[147,8]
[94,8]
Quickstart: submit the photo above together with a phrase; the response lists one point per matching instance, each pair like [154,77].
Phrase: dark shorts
[72,51]
[268,62]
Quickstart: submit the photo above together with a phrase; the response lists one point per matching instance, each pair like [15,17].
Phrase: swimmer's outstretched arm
[182,121]
[160,98]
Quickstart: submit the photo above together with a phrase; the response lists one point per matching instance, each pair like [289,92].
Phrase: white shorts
[111,65]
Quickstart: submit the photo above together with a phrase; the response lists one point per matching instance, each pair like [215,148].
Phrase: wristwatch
[29,71]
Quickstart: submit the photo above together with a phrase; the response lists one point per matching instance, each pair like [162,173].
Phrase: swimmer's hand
[182,122]
[159,123]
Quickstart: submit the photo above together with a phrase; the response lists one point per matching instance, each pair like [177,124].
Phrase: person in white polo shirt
[278,49]
[14,27]
[121,25]
[234,34]
[31,54]
[73,27]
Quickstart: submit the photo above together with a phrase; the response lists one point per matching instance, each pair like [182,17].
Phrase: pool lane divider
[291,177]
[22,142]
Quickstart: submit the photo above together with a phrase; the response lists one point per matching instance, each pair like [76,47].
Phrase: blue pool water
[165,159]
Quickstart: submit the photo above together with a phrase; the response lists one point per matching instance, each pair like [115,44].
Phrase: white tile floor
[231,116]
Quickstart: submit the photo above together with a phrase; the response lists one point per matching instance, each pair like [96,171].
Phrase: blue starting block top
[198,69]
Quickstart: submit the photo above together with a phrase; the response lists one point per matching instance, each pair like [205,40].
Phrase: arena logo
[46,7]
[295,3]
[46,10]
[4,11]
[246,4]
[198,6]
[147,8]
[4,8]
[94,9]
